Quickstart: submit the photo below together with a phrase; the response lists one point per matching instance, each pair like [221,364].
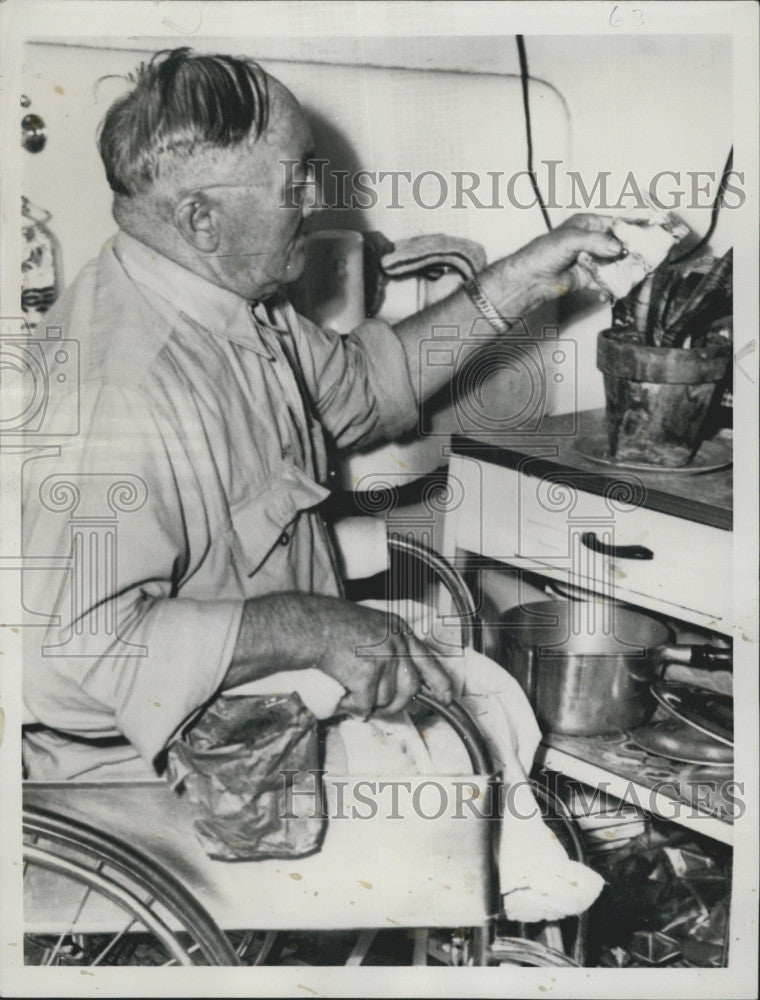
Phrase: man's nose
[313,199]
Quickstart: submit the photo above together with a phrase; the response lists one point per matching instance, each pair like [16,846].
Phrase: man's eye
[302,188]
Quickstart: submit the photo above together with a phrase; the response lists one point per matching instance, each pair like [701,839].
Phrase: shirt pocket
[264,522]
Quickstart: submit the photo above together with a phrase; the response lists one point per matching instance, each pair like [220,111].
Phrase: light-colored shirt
[194,484]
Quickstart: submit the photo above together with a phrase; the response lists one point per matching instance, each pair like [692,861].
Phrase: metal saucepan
[587,667]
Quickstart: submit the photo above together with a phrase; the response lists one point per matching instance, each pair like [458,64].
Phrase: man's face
[264,207]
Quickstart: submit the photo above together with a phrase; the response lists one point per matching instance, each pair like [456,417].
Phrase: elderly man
[210,398]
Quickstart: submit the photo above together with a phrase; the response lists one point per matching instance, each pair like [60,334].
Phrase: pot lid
[708,711]
[681,741]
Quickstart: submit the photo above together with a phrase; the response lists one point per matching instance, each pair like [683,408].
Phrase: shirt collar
[192,297]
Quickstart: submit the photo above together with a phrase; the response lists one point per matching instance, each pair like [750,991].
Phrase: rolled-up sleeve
[125,652]
[360,384]
[189,645]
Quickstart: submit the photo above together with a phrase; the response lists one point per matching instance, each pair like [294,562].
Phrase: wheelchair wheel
[91,900]
[257,947]
[523,952]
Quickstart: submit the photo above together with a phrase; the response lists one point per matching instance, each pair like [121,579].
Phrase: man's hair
[181,103]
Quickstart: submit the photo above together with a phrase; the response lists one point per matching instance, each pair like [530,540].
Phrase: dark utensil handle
[711,657]
[701,657]
[590,540]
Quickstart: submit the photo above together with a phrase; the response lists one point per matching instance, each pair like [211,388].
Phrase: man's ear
[198,221]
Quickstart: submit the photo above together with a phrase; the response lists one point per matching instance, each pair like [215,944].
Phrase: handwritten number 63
[632,16]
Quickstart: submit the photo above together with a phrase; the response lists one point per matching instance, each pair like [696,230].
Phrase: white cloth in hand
[319,693]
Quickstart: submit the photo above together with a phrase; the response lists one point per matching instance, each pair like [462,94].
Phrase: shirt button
[284,538]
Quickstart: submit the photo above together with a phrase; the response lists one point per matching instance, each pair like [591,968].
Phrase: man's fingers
[578,277]
[588,221]
[386,688]
[597,244]
[356,704]
[407,685]
[432,674]
[361,699]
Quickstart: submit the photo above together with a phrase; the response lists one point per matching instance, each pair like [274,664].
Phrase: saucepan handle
[701,657]
[711,657]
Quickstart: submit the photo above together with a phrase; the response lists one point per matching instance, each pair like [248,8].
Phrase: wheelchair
[113,874]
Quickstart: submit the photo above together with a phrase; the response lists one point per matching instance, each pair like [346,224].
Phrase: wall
[642,104]
[364,115]
[369,116]
[619,103]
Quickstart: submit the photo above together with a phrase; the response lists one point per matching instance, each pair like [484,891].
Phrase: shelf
[508,516]
[612,764]
[704,498]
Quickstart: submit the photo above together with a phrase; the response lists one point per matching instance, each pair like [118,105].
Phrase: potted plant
[664,359]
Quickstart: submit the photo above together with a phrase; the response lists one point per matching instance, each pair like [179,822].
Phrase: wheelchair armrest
[466,729]
[362,546]
[405,550]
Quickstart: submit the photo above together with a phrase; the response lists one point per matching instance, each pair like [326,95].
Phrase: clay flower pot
[657,397]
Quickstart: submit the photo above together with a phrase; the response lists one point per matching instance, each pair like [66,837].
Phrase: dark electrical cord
[714,213]
[717,203]
[524,77]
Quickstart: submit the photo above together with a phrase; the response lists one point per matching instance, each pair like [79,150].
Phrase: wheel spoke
[113,941]
[266,947]
[115,906]
[249,939]
[35,837]
[173,961]
[70,928]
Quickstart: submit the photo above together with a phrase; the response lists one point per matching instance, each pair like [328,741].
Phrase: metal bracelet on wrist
[486,307]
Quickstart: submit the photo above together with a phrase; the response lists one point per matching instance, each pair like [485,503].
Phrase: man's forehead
[287,122]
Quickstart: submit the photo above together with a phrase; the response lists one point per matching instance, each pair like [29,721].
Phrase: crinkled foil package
[229,764]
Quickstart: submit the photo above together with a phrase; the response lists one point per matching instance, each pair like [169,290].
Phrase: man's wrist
[485,306]
[514,291]
[272,637]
